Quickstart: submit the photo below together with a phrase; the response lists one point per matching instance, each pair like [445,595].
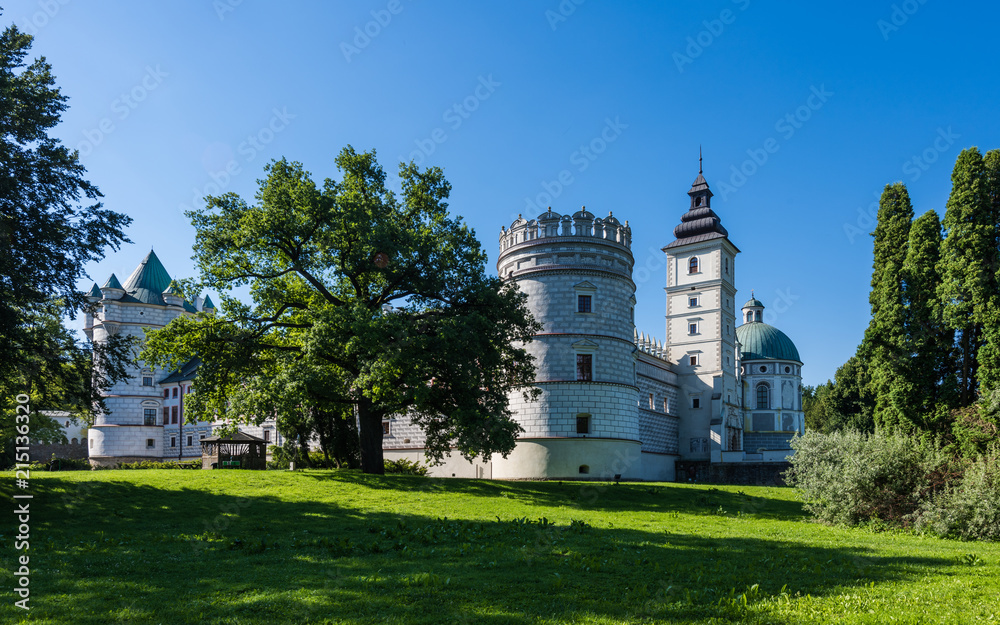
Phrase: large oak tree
[364,303]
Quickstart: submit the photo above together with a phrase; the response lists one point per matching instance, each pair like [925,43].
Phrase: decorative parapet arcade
[551,224]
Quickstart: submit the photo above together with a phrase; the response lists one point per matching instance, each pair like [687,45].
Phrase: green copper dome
[760,341]
[753,302]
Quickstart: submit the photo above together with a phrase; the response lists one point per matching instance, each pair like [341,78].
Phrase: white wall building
[616,402]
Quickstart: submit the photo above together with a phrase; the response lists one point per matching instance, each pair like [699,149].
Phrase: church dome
[760,341]
[754,302]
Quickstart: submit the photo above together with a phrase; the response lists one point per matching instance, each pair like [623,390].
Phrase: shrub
[849,477]
[152,464]
[405,467]
[970,507]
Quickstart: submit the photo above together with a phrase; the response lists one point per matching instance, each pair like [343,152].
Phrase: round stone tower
[577,272]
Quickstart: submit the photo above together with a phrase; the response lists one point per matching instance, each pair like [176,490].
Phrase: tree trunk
[370,424]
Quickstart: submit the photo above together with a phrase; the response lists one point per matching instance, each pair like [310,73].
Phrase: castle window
[190,441]
[267,436]
[651,406]
[166,415]
[150,443]
[175,391]
[584,469]
[585,367]
[758,315]
[91,443]
[147,380]
[583,303]
[697,201]
[692,328]
[696,402]
[693,360]
[201,435]
[173,414]
[749,316]
[166,393]
[788,369]
[727,266]
[73,441]
[583,424]
[385,428]
[693,265]
[763,391]
[666,405]
[692,302]
[173,441]
[149,416]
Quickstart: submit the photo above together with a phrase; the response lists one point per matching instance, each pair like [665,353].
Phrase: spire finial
[751,294]
[699,158]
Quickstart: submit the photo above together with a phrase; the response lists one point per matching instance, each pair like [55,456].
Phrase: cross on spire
[699,158]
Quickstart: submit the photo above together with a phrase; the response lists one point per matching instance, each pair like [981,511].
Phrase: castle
[145,418]
[614,401]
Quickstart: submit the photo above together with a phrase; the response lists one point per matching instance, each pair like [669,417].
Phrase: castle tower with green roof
[134,429]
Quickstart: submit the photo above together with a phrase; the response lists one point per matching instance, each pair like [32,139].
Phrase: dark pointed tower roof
[148,281]
[699,223]
[113,283]
[95,291]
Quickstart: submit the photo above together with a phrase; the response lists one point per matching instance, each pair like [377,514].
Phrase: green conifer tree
[931,385]
[988,311]
[885,339]
[965,266]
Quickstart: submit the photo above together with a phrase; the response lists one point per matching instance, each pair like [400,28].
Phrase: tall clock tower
[701,328]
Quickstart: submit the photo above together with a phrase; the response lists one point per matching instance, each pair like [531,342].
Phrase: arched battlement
[552,224]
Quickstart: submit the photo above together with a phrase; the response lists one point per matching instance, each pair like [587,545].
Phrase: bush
[151,464]
[405,467]
[968,509]
[849,477]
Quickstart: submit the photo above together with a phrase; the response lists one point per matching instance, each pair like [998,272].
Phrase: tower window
[150,443]
[749,316]
[696,402]
[788,369]
[697,201]
[666,405]
[585,367]
[267,436]
[583,303]
[166,415]
[692,302]
[166,393]
[173,414]
[149,416]
[692,328]
[175,391]
[763,402]
[693,360]
[727,266]
[758,315]
[147,380]
[693,265]
[583,424]
[173,441]
[651,406]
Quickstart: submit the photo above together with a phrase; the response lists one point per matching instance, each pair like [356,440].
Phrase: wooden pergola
[236,451]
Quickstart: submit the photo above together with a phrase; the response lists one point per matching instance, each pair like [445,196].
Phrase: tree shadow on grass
[604,496]
[133,553]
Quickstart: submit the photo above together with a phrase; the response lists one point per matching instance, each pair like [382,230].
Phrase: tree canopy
[51,224]
[364,304]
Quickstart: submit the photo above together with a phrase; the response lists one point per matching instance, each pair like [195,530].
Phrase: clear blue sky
[165,96]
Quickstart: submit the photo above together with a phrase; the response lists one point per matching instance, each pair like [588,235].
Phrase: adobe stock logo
[787,126]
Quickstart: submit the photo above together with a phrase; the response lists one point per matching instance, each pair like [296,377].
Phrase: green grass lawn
[227,547]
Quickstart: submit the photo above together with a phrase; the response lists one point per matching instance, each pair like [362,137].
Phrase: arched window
[762,396]
[758,315]
[749,316]
[727,266]
[697,201]
[693,265]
